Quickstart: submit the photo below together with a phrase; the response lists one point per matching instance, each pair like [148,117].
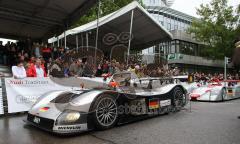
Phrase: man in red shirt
[46,52]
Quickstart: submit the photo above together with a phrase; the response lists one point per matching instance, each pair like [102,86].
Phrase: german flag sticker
[44,109]
[153,103]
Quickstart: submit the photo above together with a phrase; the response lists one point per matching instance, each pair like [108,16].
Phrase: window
[165,21]
[169,26]
[173,47]
[155,16]
[172,24]
[187,48]
[160,18]
[179,25]
[162,23]
[175,27]
[177,46]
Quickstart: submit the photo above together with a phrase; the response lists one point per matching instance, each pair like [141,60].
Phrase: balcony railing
[194,60]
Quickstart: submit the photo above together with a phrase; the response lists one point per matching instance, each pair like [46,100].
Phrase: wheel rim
[106,111]
[178,98]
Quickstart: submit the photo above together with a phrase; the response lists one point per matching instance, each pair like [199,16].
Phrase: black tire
[224,94]
[179,98]
[105,112]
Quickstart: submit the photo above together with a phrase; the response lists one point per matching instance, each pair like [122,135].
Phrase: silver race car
[122,100]
[217,91]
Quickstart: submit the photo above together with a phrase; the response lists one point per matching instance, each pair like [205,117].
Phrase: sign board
[22,93]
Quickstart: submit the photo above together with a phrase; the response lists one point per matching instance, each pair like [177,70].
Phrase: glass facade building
[192,56]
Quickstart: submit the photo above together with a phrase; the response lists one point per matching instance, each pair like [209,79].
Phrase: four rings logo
[111,38]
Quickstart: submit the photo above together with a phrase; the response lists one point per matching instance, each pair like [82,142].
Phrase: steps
[1,98]
[5,70]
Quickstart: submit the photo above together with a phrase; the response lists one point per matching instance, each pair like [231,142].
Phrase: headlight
[72,117]
[68,118]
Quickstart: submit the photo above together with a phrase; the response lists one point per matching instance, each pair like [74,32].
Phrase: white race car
[189,86]
[217,91]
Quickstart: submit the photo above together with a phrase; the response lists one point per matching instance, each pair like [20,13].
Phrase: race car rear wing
[163,81]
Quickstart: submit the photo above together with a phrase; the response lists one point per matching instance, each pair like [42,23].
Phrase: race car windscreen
[123,79]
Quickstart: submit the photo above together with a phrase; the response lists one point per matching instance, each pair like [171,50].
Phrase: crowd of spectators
[40,60]
[216,76]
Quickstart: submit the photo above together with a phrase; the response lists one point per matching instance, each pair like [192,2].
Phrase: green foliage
[217,28]
[106,7]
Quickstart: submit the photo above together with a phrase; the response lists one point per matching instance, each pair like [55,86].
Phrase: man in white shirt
[19,71]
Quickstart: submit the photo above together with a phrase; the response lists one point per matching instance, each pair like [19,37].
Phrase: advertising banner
[22,93]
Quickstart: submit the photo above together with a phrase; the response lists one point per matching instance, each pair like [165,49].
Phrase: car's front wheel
[106,113]
[224,94]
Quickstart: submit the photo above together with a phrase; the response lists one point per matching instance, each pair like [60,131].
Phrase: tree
[236,59]
[217,28]
[106,7]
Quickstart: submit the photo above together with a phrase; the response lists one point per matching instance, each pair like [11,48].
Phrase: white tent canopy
[146,31]
[39,19]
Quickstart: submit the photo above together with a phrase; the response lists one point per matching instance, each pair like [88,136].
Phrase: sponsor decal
[230,92]
[44,109]
[153,103]
[71,127]
[25,99]
[165,103]
[195,95]
[36,120]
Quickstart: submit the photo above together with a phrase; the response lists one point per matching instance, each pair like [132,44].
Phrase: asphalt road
[207,123]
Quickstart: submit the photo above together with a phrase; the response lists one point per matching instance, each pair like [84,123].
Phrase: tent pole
[58,41]
[77,42]
[87,40]
[82,39]
[130,36]
[96,43]
[65,42]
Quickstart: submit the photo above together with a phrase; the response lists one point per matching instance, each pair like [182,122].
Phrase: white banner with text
[22,93]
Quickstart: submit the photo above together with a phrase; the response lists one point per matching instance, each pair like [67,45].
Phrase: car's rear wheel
[179,98]
[106,112]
